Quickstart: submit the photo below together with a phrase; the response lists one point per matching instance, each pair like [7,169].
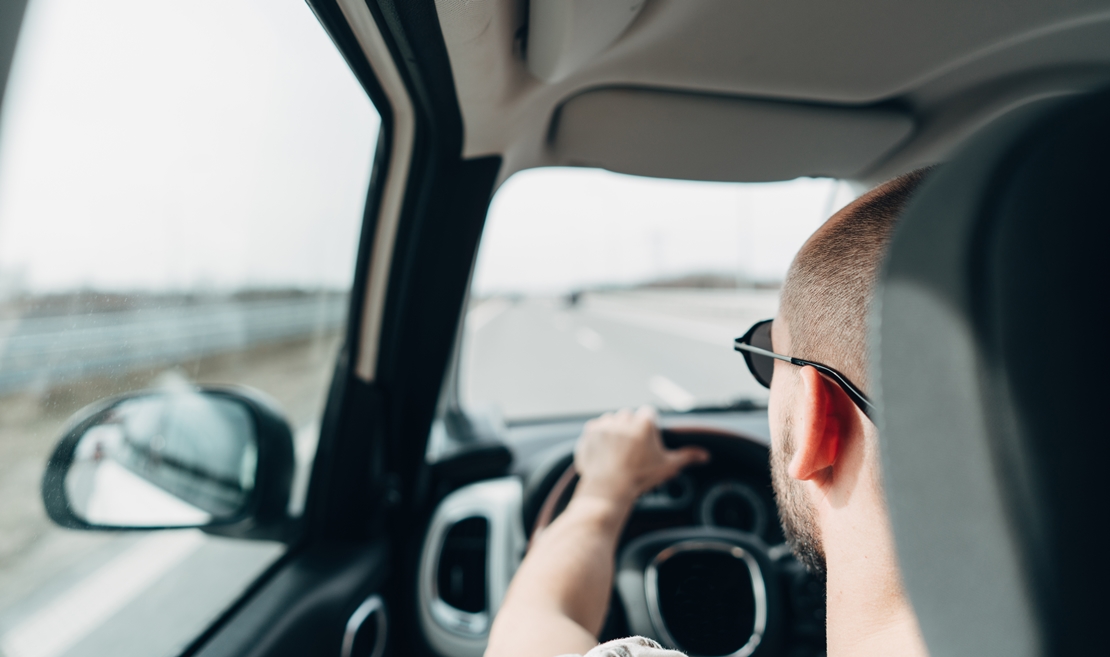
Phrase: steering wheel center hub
[706,591]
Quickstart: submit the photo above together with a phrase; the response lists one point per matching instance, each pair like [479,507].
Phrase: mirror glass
[174,459]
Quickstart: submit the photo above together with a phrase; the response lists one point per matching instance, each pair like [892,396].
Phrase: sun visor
[702,137]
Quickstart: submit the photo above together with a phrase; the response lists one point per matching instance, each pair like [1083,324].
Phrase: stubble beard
[799,521]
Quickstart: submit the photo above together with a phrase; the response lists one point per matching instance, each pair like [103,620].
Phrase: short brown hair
[828,289]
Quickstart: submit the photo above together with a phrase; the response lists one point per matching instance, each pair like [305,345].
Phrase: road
[543,358]
[85,594]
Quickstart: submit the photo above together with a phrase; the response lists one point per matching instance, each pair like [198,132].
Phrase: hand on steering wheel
[621,455]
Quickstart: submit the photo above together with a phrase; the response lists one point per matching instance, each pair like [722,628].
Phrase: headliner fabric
[664,134]
[951,65]
[989,311]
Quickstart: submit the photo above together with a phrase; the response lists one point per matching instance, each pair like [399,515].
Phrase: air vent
[461,577]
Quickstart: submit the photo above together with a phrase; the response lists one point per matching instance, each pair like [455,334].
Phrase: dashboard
[701,565]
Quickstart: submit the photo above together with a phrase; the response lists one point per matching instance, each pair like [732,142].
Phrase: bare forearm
[559,596]
[557,601]
[571,564]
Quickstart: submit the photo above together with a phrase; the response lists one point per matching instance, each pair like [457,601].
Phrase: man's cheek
[775,415]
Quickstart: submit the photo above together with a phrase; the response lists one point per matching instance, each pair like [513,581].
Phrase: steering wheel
[559,490]
[708,591]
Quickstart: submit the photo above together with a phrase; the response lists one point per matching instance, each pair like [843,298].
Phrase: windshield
[595,290]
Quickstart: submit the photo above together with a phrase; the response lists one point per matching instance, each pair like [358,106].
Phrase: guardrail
[43,351]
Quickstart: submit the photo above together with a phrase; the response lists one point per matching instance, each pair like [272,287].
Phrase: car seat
[988,337]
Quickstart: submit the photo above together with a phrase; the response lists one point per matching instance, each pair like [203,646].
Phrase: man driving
[824,464]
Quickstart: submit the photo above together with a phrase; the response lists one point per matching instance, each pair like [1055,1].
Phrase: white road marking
[67,619]
[485,313]
[589,338]
[675,396]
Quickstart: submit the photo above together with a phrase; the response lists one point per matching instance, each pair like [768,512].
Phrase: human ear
[823,424]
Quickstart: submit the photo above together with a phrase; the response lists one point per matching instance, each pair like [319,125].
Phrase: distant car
[414,511]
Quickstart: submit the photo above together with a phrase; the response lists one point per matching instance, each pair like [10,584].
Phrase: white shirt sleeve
[633,646]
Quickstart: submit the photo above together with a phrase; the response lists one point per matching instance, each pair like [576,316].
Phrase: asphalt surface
[672,349]
[76,594]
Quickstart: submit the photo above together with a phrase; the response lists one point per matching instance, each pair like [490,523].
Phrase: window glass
[181,193]
[595,290]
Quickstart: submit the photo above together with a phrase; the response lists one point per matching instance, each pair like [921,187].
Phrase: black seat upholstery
[989,341]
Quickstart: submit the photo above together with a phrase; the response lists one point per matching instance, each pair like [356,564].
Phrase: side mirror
[220,459]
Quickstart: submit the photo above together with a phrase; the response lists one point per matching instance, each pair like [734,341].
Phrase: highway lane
[543,358]
[139,595]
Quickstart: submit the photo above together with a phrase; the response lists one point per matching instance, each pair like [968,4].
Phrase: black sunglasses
[758,353]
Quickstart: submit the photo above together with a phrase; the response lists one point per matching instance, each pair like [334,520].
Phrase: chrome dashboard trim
[372,606]
[449,630]
[759,589]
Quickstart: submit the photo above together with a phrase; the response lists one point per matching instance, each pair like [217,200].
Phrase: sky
[222,144]
[147,144]
[556,229]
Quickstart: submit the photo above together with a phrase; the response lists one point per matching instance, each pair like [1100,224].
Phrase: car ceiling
[747,90]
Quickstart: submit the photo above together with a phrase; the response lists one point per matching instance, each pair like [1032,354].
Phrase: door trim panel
[303,609]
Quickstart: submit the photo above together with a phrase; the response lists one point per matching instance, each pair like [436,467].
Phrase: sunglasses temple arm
[743,346]
[858,398]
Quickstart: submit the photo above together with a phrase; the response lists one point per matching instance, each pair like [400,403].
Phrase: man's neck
[868,613]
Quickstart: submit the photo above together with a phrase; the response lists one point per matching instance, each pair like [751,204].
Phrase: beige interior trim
[389,213]
[664,134]
[949,66]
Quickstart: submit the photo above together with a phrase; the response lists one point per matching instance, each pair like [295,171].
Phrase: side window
[181,194]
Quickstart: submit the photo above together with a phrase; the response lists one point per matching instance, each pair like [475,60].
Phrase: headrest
[988,336]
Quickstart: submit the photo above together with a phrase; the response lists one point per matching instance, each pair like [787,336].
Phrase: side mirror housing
[215,458]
